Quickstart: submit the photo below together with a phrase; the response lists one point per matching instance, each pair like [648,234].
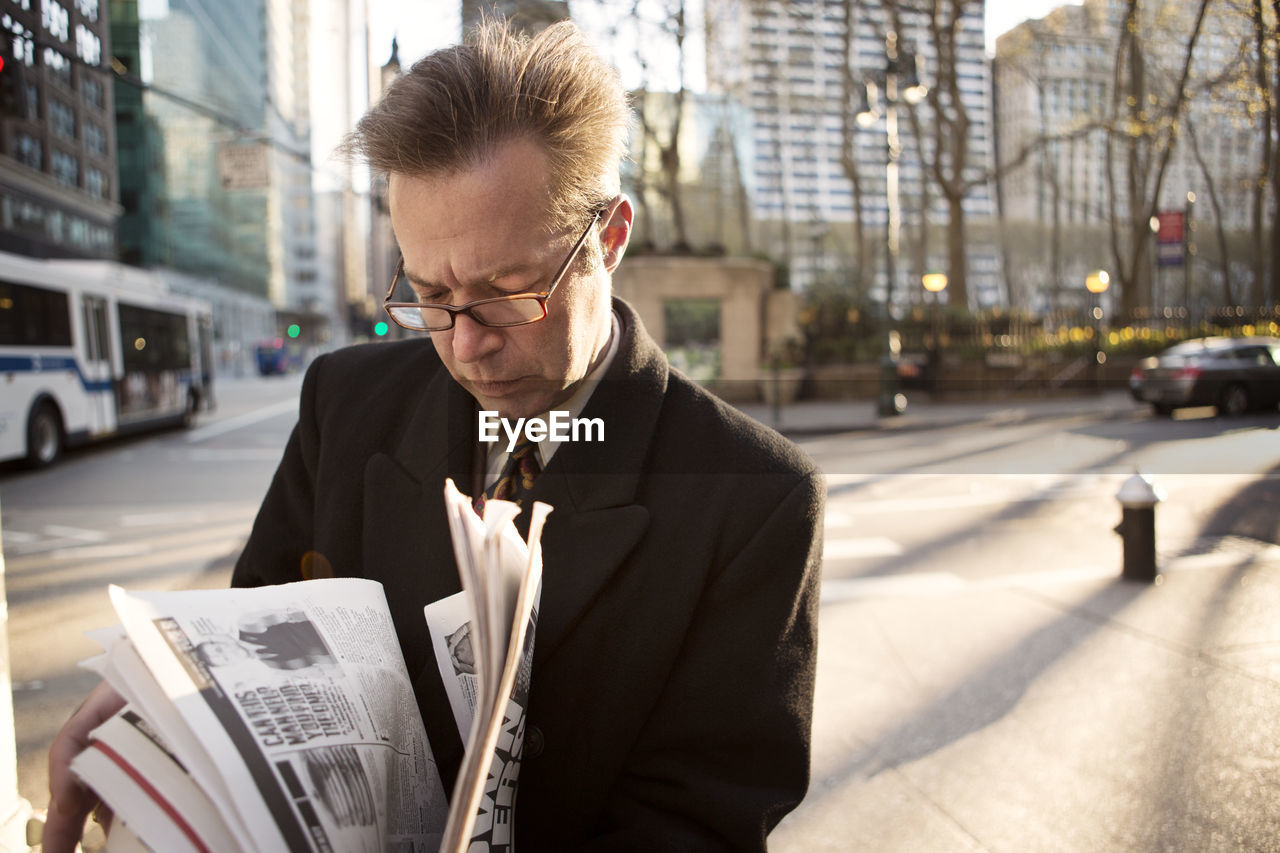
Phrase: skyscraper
[58,193]
[1056,105]
[218,73]
[788,63]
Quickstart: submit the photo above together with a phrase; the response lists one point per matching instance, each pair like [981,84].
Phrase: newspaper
[283,717]
[483,640]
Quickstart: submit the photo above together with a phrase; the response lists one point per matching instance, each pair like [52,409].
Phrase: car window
[1253,355]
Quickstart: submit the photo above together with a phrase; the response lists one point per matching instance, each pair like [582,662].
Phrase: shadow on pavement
[1254,511]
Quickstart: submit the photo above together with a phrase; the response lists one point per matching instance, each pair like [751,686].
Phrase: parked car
[276,356]
[1233,374]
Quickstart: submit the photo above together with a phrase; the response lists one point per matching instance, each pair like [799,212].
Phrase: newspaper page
[483,640]
[301,702]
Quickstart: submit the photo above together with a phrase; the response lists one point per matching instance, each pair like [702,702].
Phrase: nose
[472,341]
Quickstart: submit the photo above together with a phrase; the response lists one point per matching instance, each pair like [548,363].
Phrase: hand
[69,801]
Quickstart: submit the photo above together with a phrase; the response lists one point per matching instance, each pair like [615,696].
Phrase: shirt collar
[496,458]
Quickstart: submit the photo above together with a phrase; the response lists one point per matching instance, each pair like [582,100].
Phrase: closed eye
[439,297]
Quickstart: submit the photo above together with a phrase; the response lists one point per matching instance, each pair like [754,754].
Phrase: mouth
[495,389]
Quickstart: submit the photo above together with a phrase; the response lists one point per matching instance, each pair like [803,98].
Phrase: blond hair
[454,107]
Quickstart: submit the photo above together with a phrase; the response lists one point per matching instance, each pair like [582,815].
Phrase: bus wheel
[44,436]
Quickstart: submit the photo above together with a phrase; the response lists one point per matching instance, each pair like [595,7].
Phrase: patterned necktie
[517,477]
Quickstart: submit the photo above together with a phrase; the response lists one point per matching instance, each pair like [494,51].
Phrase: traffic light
[294,330]
[380,328]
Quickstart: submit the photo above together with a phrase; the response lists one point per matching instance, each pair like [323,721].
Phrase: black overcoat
[674,656]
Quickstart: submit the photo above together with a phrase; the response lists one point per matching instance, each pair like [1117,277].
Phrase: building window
[88,45]
[62,119]
[56,19]
[92,90]
[31,101]
[22,45]
[95,182]
[95,139]
[59,66]
[88,8]
[65,168]
[27,150]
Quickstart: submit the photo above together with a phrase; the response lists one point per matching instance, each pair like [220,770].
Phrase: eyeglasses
[518,309]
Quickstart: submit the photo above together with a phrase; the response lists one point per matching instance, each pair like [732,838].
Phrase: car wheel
[44,436]
[1234,402]
[1163,410]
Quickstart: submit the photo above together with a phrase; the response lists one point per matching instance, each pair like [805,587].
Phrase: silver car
[1233,374]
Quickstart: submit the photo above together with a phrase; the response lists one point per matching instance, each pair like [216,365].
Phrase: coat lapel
[404,515]
[407,540]
[595,522]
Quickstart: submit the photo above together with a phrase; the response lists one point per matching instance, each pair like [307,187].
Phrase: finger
[64,824]
[69,801]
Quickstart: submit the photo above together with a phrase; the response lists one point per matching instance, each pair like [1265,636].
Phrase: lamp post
[935,283]
[1096,283]
[901,83]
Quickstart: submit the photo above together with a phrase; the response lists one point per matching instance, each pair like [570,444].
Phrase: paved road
[163,511]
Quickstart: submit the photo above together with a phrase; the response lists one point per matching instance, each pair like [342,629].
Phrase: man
[672,685]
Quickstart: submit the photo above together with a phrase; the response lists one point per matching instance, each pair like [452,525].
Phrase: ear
[616,233]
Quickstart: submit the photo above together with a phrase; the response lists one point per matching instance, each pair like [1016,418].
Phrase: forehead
[502,197]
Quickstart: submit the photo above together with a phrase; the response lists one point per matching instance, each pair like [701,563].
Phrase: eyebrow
[501,272]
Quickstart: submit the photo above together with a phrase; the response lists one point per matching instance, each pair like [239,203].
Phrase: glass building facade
[217,73]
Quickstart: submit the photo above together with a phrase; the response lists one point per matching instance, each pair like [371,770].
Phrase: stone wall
[753,316]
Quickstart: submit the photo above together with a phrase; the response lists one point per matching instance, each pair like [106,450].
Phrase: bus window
[33,316]
[157,362]
[95,325]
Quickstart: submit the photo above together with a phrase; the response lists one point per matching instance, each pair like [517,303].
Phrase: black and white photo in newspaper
[300,694]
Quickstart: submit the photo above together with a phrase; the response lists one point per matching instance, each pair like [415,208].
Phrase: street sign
[243,165]
[1169,238]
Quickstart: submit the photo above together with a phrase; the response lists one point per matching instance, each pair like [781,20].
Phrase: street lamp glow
[934,282]
[1097,281]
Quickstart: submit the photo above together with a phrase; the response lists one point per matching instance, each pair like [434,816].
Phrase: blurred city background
[936,242]
[852,180]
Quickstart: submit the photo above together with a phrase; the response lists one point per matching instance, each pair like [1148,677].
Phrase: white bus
[90,349]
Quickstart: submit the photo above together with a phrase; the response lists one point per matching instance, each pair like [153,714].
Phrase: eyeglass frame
[468,307]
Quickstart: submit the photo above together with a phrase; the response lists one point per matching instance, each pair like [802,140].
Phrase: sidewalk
[1069,712]
[819,417]
[1055,711]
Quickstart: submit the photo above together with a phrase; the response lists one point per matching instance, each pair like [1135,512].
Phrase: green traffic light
[294,330]
[380,328]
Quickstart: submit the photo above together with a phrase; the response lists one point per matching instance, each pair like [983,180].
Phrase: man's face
[483,233]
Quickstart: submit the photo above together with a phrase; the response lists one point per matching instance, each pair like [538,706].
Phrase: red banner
[1170,230]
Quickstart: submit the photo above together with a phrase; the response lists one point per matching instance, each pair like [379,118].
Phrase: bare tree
[948,157]
[951,125]
[1224,256]
[1266,94]
[665,135]
[1274,136]
[853,90]
[1146,127]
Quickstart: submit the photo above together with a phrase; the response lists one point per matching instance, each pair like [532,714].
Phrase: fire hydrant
[1137,528]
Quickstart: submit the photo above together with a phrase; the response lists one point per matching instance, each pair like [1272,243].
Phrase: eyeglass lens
[506,312]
